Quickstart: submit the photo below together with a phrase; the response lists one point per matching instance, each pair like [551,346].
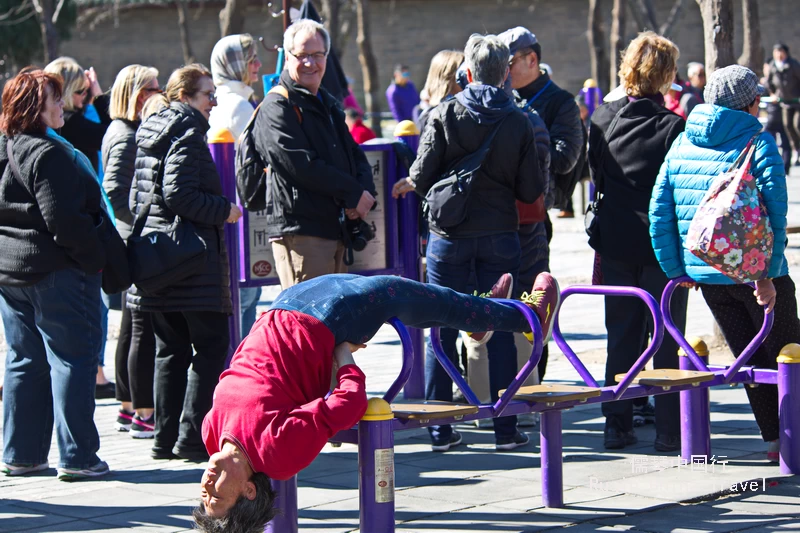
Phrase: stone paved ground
[472,488]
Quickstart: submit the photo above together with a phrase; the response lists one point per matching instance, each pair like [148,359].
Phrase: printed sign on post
[262,264]
[384,475]
[373,257]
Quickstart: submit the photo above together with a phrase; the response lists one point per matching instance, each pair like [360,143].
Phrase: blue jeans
[53,334]
[355,307]
[449,264]
[248,300]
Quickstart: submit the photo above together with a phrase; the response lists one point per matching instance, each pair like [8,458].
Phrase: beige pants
[301,257]
[478,366]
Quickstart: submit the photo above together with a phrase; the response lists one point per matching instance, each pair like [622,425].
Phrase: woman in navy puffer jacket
[715,136]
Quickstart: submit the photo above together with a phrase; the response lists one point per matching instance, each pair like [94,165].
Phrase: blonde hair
[153,105]
[441,79]
[130,82]
[73,76]
[649,65]
[185,81]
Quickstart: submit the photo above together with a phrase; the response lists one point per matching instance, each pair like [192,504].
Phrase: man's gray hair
[305,27]
[487,59]
[693,68]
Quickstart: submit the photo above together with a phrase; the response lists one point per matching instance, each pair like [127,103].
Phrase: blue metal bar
[408,360]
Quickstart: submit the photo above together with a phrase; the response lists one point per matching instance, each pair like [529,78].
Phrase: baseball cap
[734,87]
[517,39]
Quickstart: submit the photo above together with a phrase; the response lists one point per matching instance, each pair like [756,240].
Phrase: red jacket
[361,133]
[270,402]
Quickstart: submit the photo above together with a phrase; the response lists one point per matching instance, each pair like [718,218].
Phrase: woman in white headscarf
[234,67]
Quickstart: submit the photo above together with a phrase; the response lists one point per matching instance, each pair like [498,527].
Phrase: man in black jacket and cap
[316,169]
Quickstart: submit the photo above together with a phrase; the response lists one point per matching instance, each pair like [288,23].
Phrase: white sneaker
[21,470]
[72,474]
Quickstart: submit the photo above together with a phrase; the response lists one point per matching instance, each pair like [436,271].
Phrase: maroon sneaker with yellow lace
[544,299]
[501,289]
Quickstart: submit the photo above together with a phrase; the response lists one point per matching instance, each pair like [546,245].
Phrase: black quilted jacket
[119,163]
[174,139]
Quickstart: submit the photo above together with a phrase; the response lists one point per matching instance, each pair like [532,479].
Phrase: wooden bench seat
[669,377]
[554,392]
[432,409]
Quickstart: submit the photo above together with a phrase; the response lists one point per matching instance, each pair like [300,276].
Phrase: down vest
[119,162]
[172,145]
[714,138]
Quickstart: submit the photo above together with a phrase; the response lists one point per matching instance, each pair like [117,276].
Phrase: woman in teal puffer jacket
[715,135]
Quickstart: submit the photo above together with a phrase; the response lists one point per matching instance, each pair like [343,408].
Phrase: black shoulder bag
[116,273]
[163,258]
[591,220]
[448,198]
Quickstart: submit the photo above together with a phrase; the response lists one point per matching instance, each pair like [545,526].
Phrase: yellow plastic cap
[405,128]
[589,84]
[378,409]
[219,136]
[790,354]
[698,345]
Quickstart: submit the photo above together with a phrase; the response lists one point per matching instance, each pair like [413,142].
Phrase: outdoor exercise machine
[374,435]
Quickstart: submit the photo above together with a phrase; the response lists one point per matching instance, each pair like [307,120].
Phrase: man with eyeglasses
[316,168]
[534,90]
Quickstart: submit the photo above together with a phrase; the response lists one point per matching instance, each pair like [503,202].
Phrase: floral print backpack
[730,230]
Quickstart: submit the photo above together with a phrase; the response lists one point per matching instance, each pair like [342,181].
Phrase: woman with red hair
[50,234]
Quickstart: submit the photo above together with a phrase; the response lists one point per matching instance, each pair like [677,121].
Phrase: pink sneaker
[544,299]
[501,289]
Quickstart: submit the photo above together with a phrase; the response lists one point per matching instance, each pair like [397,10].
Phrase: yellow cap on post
[790,354]
[222,135]
[378,409]
[698,345]
[405,128]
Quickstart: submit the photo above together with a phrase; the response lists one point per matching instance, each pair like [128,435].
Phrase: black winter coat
[316,168]
[173,143]
[627,172]
[562,117]
[785,83]
[49,224]
[85,135]
[119,164]
[510,171]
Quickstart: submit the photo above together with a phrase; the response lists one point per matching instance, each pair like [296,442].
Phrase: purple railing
[408,360]
[607,290]
[536,353]
[746,354]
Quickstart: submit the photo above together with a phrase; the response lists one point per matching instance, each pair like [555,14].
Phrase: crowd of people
[76,161]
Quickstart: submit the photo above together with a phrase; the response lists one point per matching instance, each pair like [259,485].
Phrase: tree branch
[673,17]
[57,11]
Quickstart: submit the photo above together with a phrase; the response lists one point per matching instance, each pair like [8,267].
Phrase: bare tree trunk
[718,33]
[674,16]
[617,42]
[596,37]
[330,18]
[231,17]
[752,51]
[183,26]
[369,67]
[50,40]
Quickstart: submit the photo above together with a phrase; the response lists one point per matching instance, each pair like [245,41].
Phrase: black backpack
[251,169]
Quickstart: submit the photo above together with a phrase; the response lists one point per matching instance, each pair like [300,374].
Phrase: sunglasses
[152,91]
[82,92]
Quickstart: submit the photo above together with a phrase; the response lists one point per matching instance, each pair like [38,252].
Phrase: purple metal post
[286,497]
[408,360]
[222,146]
[789,408]
[376,468]
[551,459]
[410,254]
[695,413]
